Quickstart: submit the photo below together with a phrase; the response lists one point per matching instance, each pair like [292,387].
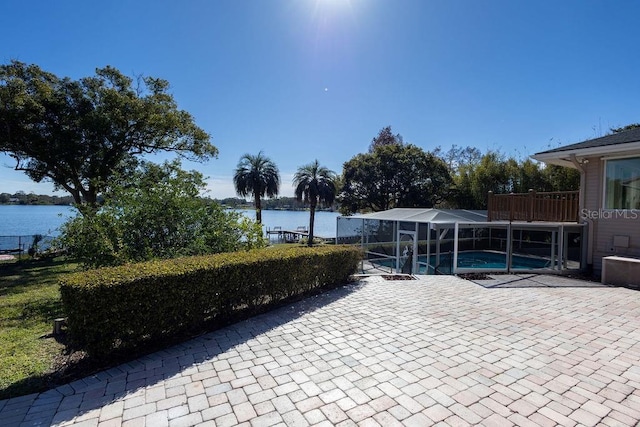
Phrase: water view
[25,220]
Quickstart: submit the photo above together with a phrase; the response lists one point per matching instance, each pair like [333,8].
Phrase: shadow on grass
[30,301]
[43,310]
[69,365]
[24,275]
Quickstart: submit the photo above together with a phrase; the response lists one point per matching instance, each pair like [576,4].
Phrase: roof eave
[563,158]
[560,159]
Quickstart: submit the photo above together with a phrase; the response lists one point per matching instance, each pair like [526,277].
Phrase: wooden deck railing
[556,206]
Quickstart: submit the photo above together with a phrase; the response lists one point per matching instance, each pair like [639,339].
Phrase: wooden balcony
[556,206]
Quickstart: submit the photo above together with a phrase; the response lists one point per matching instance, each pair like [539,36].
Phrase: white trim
[628,156]
[590,151]
[562,158]
[560,161]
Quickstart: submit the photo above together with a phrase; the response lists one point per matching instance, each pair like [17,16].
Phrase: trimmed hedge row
[125,307]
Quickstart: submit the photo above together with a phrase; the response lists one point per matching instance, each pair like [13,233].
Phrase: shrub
[124,307]
[156,213]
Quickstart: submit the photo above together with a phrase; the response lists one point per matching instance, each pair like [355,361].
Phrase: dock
[290,236]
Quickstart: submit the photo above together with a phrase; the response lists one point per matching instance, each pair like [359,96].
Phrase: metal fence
[21,244]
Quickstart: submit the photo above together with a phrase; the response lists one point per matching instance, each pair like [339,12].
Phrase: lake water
[24,220]
[324,225]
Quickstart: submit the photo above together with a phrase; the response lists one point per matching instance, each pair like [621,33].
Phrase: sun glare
[334,2]
[333,6]
[330,29]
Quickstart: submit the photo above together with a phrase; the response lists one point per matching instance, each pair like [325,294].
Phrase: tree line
[276,203]
[395,174]
[22,198]
[89,137]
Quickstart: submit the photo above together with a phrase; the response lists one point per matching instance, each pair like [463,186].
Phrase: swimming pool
[486,260]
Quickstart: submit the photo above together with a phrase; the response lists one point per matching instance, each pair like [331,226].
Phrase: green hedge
[125,307]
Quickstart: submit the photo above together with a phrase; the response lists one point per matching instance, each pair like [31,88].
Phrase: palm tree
[256,176]
[314,184]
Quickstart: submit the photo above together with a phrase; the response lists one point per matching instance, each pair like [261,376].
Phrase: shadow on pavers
[128,377]
[493,281]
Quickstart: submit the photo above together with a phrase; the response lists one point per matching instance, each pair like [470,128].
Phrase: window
[622,186]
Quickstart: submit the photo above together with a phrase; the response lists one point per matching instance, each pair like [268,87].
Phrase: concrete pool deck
[542,350]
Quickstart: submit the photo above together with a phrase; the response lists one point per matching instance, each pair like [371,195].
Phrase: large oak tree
[393,176]
[79,133]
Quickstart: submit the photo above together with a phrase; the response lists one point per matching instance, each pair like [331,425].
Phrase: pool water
[476,260]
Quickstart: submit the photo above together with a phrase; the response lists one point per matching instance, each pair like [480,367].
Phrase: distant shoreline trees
[472,177]
[22,198]
[276,203]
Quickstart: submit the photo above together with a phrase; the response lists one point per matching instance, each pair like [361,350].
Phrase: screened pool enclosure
[446,241]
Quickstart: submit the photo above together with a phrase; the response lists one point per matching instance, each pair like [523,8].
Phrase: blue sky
[307,79]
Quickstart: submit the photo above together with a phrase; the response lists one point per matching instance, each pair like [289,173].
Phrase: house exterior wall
[608,229]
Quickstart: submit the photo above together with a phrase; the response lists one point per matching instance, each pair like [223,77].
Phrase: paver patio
[438,350]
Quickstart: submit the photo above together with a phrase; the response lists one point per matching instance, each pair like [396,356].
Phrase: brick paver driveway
[434,350]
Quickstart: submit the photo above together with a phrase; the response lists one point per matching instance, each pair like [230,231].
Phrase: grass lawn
[29,301]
